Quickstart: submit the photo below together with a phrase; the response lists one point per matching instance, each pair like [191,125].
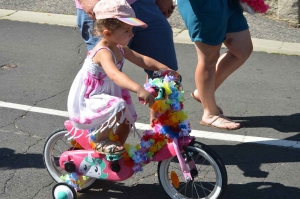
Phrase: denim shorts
[208,21]
[85,24]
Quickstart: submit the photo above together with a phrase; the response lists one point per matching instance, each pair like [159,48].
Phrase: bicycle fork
[185,170]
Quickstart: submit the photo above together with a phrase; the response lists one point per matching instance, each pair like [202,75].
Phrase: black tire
[55,145]
[209,182]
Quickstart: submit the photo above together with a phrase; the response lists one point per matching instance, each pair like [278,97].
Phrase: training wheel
[63,191]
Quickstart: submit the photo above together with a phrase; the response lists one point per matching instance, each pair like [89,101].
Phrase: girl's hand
[145,97]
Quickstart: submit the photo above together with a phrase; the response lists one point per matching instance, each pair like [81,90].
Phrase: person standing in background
[211,23]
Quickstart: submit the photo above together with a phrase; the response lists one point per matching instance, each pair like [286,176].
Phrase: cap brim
[134,22]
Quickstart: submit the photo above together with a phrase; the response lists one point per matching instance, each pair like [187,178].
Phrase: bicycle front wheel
[209,177]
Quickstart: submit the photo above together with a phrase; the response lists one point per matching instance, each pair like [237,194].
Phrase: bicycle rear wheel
[209,177]
[55,145]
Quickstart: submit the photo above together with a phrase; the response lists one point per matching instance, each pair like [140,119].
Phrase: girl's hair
[110,24]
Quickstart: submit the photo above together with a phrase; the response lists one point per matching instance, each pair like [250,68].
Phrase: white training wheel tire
[63,191]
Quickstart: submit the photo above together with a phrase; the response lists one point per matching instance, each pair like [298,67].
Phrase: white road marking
[196,133]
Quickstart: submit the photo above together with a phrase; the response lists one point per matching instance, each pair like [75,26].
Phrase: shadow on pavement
[257,190]
[281,123]
[255,160]
[11,160]
[107,190]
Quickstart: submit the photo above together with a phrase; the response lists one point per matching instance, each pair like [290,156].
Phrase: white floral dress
[94,99]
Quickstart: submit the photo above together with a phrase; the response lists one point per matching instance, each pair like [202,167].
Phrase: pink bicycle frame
[77,156]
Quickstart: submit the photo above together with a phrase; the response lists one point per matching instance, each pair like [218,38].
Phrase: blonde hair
[101,24]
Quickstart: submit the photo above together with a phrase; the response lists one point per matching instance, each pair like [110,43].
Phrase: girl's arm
[143,61]
[106,60]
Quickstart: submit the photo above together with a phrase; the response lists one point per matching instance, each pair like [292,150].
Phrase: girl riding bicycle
[99,96]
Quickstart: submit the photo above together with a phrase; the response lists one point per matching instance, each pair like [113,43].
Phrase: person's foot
[220,122]
[195,97]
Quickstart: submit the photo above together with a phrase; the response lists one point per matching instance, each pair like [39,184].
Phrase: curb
[180,36]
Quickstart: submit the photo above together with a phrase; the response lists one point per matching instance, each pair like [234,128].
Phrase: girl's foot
[221,122]
[197,99]
[109,147]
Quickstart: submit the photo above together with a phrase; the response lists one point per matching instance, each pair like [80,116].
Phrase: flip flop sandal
[219,124]
[110,149]
[194,97]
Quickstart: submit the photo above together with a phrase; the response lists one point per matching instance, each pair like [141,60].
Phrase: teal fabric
[208,21]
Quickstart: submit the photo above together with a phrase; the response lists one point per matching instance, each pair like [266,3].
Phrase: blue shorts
[155,41]
[208,21]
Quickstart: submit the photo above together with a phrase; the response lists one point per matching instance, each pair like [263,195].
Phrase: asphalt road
[263,94]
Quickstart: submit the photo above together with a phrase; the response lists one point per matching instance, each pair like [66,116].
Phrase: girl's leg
[104,135]
[123,131]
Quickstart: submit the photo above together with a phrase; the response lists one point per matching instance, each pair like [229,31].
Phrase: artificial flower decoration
[73,180]
[171,122]
[257,5]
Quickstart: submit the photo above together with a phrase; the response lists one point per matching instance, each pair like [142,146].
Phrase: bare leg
[123,131]
[205,77]
[239,47]
[105,134]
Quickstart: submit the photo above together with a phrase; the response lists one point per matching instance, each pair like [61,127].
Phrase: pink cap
[119,9]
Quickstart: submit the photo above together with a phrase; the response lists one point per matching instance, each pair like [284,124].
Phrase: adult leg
[239,47]
[205,76]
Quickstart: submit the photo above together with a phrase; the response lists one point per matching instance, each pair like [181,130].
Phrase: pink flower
[92,82]
[111,102]
[100,78]
[257,5]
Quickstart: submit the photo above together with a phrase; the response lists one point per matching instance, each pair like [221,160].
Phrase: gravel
[262,27]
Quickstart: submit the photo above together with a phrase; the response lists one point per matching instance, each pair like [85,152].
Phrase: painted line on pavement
[196,133]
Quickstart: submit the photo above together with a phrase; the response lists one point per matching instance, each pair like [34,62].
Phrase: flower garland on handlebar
[171,119]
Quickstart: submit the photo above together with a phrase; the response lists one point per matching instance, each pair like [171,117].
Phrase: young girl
[99,96]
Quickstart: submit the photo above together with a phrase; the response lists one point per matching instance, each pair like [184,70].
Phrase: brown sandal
[108,147]
[220,122]
[194,97]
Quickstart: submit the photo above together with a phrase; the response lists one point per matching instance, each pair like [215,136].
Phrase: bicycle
[186,168]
